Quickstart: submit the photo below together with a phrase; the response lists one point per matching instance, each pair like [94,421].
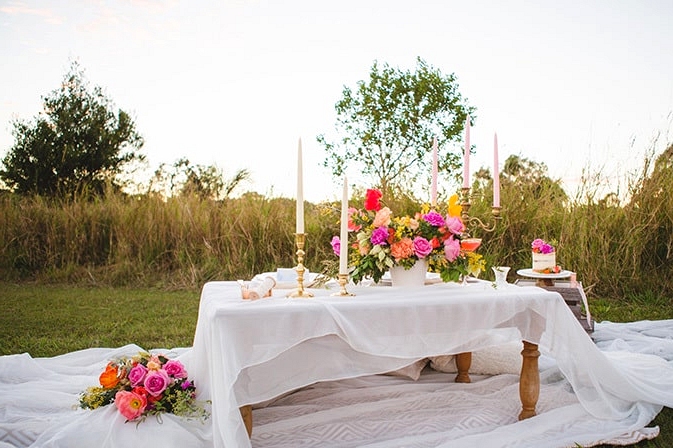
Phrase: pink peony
[175,369]
[129,404]
[336,245]
[451,248]
[422,247]
[455,225]
[156,382]
[137,374]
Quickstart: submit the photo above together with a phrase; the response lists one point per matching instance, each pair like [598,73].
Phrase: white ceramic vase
[409,278]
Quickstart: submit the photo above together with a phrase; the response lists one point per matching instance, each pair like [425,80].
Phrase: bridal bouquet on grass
[381,241]
[144,385]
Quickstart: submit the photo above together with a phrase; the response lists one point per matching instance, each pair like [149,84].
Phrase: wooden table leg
[463,363]
[246,413]
[529,381]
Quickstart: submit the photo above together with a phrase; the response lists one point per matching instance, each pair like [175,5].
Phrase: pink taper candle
[300,192]
[496,173]
[466,157]
[433,188]
[343,236]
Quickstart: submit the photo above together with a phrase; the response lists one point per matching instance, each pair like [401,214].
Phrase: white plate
[532,274]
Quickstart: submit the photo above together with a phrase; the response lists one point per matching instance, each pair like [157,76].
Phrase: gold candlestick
[300,239]
[471,221]
[343,280]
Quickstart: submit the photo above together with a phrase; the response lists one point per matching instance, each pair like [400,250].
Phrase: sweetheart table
[247,352]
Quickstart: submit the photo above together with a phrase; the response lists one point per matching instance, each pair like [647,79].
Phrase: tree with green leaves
[78,144]
[386,126]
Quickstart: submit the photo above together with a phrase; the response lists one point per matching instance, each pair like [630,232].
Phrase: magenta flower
[175,369]
[156,382]
[336,245]
[379,236]
[422,247]
[137,375]
[451,248]
[541,246]
[434,219]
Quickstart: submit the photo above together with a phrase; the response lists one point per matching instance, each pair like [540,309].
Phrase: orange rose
[109,379]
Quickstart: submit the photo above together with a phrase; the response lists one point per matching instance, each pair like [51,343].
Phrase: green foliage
[78,144]
[387,125]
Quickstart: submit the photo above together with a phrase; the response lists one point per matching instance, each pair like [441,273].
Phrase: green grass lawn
[49,320]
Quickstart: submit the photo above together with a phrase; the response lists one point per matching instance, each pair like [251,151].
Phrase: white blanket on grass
[39,396]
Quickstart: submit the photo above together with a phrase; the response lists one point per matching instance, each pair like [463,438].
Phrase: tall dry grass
[617,248]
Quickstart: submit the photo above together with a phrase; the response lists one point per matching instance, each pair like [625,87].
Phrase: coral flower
[130,405]
[403,248]
[109,378]
[382,217]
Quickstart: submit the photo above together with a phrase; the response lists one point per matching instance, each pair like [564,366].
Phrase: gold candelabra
[300,239]
[470,221]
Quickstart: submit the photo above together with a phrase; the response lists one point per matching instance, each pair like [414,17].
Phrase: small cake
[543,262]
[544,256]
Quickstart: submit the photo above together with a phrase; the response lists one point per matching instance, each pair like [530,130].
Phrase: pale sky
[236,83]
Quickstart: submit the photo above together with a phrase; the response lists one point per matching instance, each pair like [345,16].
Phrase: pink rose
[129,404]
[175,369]
[156,382]
[451,249]
[336,245]
[382,218]
[137,374]
[422,247]
[455,225]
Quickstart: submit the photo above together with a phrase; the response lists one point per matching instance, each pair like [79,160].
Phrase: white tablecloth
[248,352]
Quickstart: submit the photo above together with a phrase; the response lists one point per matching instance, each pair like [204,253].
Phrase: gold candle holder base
[343,280]
[300,239]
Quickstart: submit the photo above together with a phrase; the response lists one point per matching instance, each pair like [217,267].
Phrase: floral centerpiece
[381,240]
[145,384]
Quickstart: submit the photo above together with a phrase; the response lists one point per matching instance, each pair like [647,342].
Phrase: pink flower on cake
[540,246]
